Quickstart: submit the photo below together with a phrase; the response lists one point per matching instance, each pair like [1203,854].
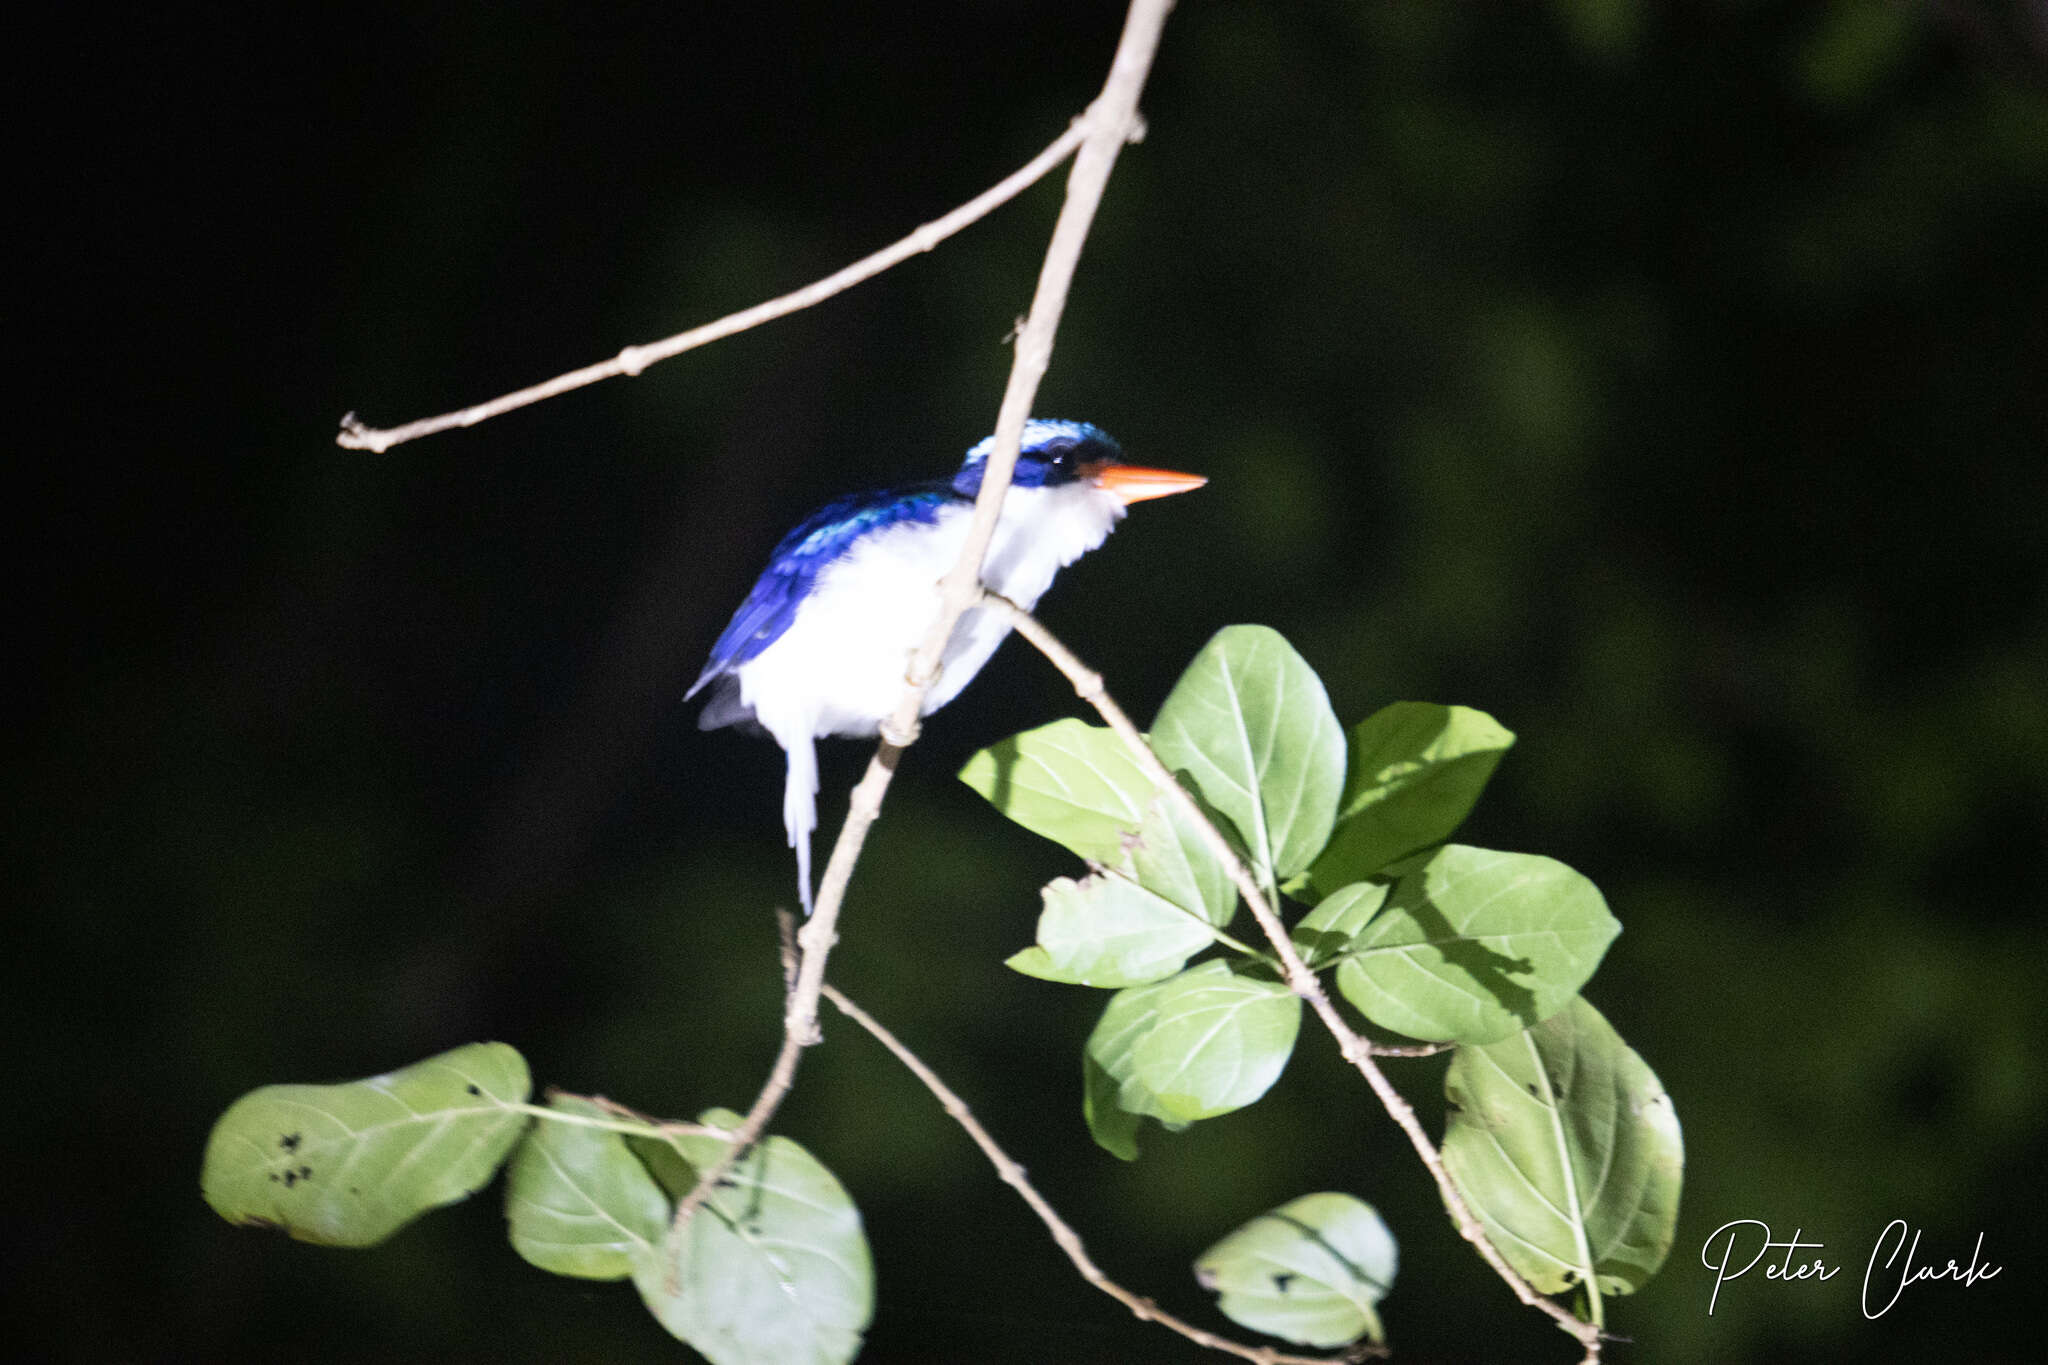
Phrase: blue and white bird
[822,644]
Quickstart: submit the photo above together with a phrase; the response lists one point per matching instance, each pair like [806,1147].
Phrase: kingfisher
[822,644]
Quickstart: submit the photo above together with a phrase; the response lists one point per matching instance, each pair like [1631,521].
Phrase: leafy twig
[1357,1050]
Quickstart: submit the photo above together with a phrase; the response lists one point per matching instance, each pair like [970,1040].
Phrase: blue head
[1050,454]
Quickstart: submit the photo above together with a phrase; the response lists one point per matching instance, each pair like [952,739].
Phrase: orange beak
[1135,483]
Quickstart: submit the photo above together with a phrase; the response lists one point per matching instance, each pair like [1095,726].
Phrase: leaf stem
[633,1125]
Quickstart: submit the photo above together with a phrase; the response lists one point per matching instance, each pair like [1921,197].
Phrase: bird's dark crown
[1051,453]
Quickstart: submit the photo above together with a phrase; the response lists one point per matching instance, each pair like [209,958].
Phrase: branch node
[901,737]
[633,359]
[357,434]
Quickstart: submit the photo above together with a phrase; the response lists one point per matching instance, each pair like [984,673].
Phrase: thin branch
[1110,121]
[1357,1050]
[355,435]
[1069,1241]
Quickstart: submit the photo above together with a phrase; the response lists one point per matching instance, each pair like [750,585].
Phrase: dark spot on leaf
[473,1090]
[728,1183]
[1281,1280]
[290,1142]
[291,1178]
[1534,1091]
[1571,1277]
[305,1172]
[275,1177]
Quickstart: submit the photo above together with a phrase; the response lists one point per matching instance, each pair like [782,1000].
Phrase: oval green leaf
[1109,931]
[773,1270]
[1074,783]
[578,1202]
[350,1164]
[1190,1047]
[1312,1271]
[1219,1041]
[1566,1146]
[1251,726]
[1416,768]
[1475,945]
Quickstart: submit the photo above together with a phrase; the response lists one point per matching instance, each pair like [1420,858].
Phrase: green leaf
[1105,1061]
[1219,1042]
[1475,945]
[1109,931]
[1416,769]
[579,1202]
[773,1270]
[1168,856]
[1074,783]
[1190,1047]
[350,1164]
[1311,1271]
[1568,1149]
[1113,1126]
[1328,931]
[1250,725]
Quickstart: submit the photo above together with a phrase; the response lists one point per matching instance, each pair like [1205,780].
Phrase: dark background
[1668,383]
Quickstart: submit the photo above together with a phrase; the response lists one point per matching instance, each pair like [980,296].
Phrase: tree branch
[1110,121]
[356,435]
[1357,1050]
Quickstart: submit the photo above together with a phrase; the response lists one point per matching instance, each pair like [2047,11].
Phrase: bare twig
[1069,1241]
[1110,122]
[356,435]
[1357,1050]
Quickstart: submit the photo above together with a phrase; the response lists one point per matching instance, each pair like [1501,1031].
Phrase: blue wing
[793,569]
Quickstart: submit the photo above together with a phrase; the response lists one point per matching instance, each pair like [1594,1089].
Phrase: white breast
[839,668]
